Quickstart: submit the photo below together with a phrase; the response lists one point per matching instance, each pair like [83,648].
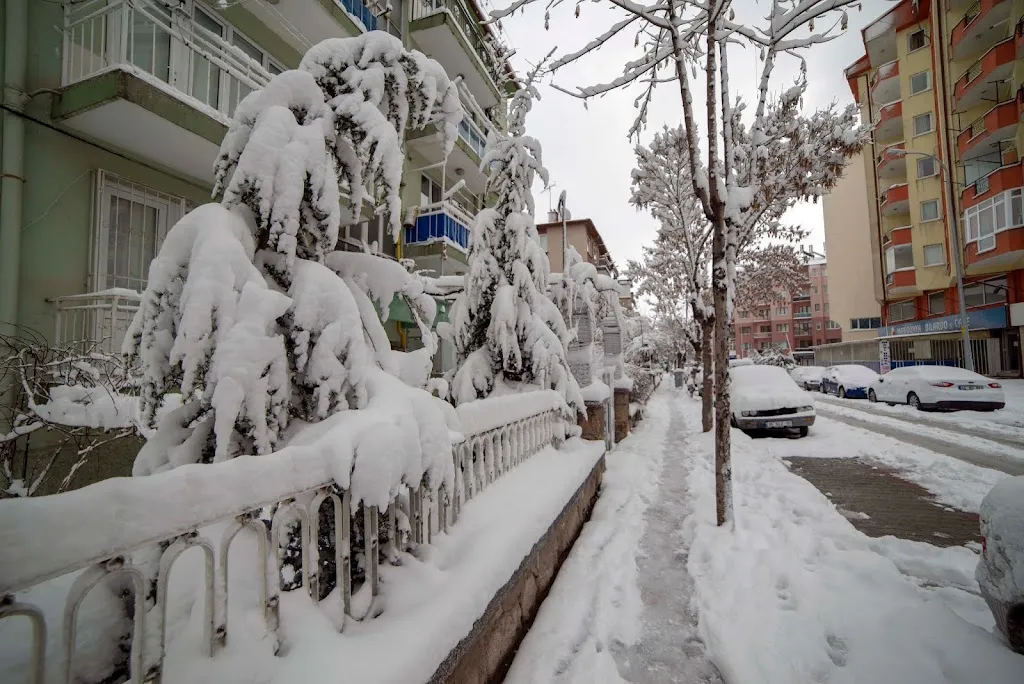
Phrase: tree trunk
[723,404]
[707,399]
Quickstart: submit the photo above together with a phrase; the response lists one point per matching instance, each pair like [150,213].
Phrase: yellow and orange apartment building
[941,83]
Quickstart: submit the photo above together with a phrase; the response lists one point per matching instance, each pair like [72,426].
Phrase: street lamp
[965,336]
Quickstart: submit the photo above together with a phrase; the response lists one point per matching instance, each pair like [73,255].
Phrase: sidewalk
[621,611]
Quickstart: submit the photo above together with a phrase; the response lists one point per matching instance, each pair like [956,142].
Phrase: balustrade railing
[50,537]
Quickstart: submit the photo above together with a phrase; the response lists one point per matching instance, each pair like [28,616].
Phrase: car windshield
[762,376]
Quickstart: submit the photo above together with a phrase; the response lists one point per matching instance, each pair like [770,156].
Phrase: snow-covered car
[848,382]
[938,387]
[766,398]
[1000,571]
[808,377]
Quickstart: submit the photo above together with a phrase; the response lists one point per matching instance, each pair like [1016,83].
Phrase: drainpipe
[12,178]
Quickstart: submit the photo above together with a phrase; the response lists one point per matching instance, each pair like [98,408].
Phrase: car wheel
[804,431]
[842,393]
[914,401]
[871,396]
[732,421]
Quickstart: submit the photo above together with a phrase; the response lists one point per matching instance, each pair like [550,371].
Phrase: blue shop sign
[982,319]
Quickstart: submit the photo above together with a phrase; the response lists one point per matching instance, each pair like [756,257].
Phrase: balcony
[892,161]
[762,335]
[468,152]
[443,223]
[1000,180]
[151,82]
[802,314]
[885,83]
[981,80]
[95,321]
[900,235]
[981,26]
[984,135]
[901,282]
[803,332]
[1018,37]
[801,296]
[895,200]
[455,36]
[889,124]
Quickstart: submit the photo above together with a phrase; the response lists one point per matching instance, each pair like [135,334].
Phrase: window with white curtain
[899,257]
[929,210]
[934,255]
[927,167]
[992,216]
[923,124]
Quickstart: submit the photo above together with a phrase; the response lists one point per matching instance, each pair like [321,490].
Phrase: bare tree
[742,178]
[67,399]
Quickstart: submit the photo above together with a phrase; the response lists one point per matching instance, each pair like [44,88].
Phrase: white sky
[586,150]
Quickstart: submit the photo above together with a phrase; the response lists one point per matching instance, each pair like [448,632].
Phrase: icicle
[845,21]
[577,11]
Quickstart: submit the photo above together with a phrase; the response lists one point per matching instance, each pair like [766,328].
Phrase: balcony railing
[472,29]
[165,46]
[802,314]
[1000,55]
[95,321]
[295,484]
[440,221]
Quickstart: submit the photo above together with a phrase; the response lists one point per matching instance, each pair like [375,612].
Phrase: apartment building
[940,81]
[583,235]
[115,110]
[855,281]
[796,321]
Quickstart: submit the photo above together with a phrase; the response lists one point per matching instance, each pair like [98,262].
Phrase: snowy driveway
[654,592]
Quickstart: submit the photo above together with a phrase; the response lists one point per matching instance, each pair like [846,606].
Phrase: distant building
[855,305]
[584,236]
[796,321]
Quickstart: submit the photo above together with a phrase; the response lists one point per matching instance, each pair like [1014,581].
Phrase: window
[902,311]
[826,308]
[992,216]
[745,330]
[817,326]
[834,325]
[544,241]
[803,311]
[782,311]
[865,323]
[929,210]
[920,82]
[766,328]
[982,294]
[898,258]
[916,40]
[746,347]
[815,289]
[817,307]
[782,327]
[430,192]
[923,124]
[937,303]
[933,255]
[743,314]
[927,167]
[133,221]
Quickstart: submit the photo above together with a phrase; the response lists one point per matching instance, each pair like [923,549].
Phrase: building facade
[855,280]
[114,114]
[940,82]
[796,321]
[583,235]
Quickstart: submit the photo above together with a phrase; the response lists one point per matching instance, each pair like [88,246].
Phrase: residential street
[852,560]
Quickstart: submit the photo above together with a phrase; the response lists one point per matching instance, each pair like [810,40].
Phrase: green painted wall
[56,237]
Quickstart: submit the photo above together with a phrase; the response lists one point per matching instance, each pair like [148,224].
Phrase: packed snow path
[618,612]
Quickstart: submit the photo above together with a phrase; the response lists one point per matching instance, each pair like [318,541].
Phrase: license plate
[779,424]
[971,387]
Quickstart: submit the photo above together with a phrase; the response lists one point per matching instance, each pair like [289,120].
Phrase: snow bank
[485,414]
[595,600]
[94,407]
[795,594]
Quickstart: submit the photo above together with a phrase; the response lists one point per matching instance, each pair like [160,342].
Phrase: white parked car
[1000,571]
[766,398]
[938,387]
[808,377]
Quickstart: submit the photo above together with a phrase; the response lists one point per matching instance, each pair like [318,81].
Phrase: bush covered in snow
[773,357]
[508,334]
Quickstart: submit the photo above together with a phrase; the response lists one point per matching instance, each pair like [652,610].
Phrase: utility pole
[561,215]
[965,334]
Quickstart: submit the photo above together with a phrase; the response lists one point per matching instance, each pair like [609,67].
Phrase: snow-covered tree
[507,332]
[773,357]
[250,315]
[742,177]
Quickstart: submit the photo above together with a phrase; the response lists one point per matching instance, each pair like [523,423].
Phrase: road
[981,450]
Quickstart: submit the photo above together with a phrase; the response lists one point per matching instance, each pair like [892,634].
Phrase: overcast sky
[586,150]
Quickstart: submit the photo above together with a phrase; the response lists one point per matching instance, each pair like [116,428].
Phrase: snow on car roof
[760,375]
[938,372]
[856,372]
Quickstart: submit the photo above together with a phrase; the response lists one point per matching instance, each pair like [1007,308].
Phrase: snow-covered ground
[1007,422]
[793,594]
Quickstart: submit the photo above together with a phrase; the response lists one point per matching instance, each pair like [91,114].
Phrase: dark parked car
[848,382]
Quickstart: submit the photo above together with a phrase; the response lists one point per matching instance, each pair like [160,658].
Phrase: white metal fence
[95,321]
[66,532]
[161,41]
